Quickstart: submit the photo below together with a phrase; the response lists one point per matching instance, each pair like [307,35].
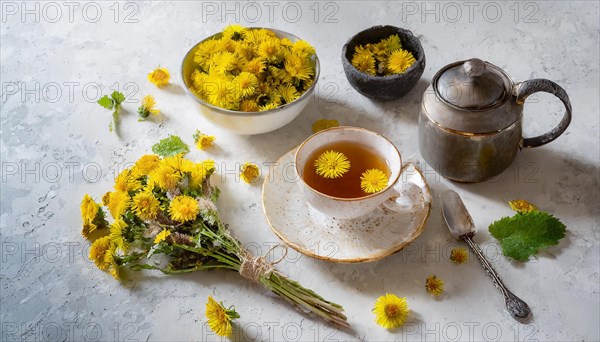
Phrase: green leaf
[170,146]
[106,102]
[523,235]
[118,97]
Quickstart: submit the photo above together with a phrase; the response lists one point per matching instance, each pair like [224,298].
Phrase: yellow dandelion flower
[399,61]
[522,206]
[89,212]
[127,180]
[364,61]
[373,180]
[223,62]
[323,124]
[106,199]
[203,141]
[199,172]
[459,255]
[268,106]
[288,92]
[148,107]
[162,236]
[101,252]
[146,164]
[391,44]
[118,203]
[434,285]
[303,48]
[164,177]
[204,52]
[269,50]
[114,271]
[159,77]
[249,106]
[227,45]
[184,208]
[145,205]
[249,172]
[116,234]
[223,94]
[255,66]
[235,32]
[298,67]
[332,164]
[219,318]
[176,162]
[246,84]
[391,311]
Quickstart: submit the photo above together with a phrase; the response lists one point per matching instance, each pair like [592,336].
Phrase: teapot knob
[474,67]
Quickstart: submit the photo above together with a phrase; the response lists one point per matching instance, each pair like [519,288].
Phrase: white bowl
[247,123]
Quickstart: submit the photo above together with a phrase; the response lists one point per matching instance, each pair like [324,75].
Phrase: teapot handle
[526,88]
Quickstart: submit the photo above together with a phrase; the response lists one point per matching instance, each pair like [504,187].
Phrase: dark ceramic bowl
[384,87]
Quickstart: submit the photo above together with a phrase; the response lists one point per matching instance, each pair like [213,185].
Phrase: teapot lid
[472,85]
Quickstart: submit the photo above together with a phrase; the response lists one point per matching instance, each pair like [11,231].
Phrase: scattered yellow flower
[184,208]
[148,107]
[118,202]
[145,205]
[116,234]
[159,77]
[203,140]
[249,172]
[434,285]
[323,124]
[459,255]
[373,180]
[162,236]
[391,311]
[399,61]
[522,206]
[332,164]
[146,164]
[219,318]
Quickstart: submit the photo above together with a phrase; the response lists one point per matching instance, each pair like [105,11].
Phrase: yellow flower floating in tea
[159,77]
[203,141]
[332,164]
[459,255]
[391,311]
[383,58]
[219,318]
[373,181]
[249,172]
[434,285]
[252,70]
[323,124]
[148,107]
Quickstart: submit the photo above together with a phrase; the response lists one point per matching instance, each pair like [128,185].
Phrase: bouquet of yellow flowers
[166,206]
[252,70]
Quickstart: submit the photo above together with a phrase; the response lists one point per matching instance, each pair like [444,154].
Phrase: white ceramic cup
[349,208]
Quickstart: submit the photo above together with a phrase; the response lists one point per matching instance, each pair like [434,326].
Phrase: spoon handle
[515,305]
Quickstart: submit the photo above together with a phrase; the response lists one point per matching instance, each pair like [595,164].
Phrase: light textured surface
[50,291]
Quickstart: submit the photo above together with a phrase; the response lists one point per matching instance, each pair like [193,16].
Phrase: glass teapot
[470,125]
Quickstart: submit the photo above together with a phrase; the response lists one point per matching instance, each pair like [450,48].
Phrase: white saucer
[368,238]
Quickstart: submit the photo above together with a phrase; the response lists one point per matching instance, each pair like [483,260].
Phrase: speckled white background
[55,140]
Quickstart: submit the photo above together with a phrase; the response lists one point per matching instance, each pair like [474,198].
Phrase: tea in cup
[347,172]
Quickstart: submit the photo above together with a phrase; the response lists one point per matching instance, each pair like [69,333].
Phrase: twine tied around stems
[254,267]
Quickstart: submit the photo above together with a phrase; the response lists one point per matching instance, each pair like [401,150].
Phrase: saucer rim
[388,252]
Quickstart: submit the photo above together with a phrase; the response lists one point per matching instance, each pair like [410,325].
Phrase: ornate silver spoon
[461,226]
